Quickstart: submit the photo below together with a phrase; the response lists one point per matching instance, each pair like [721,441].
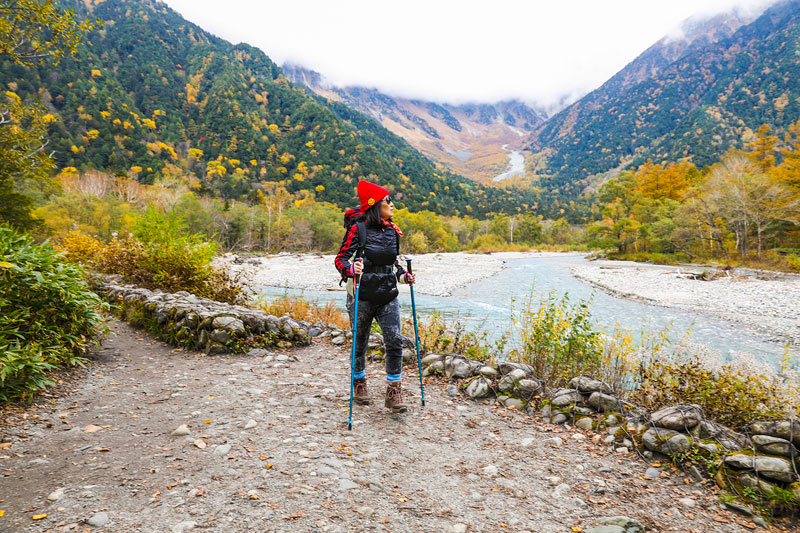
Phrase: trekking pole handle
[408,265]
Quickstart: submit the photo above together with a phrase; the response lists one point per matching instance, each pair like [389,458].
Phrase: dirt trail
[268,450]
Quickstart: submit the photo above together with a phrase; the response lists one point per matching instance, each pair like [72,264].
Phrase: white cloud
[454,51]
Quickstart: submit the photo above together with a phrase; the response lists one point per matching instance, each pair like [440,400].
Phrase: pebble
[326,471]
[761,522]
[56,495]
[652,473]
[98,520]
[282,357]
[365,511]
[459,528]
[255,392]
[181,431]
[555,441]
[346,484]
[200,443]
[604,469]
[222,449]
[180,527]
[527,442]
[452,390]
[687,502]
[250,424]
[490,471]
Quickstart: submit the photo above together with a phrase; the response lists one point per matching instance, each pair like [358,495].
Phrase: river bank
[438,274]
[767,304]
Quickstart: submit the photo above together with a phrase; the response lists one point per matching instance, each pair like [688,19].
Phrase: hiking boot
[394,398]
[360,394]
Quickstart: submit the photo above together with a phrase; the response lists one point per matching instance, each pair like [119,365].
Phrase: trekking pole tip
[350,426]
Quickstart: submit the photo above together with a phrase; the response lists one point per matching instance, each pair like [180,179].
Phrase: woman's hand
[358,267]
[410,278]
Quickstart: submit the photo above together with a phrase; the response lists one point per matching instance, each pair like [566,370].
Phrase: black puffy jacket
[382,269]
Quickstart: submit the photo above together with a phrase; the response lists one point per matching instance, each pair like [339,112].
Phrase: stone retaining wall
[183,319]
[765,460]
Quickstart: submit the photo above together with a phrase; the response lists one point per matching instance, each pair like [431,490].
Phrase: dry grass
[299,308]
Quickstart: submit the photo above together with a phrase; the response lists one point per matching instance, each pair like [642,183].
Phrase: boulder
[678,417]
[478,387]
[586,383]
[488,371]
[774,446]
[788,429]
[509,381]
[775,468]
[529,387]
[434,368]
[431,358]
[604,402]
[457,367]
[564,397]
[666,441]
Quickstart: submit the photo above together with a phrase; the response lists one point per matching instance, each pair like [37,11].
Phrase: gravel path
[768,306]
[154,439]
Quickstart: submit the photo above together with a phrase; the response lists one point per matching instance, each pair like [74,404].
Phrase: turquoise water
[488,305]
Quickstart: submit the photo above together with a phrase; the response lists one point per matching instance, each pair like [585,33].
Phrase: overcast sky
[455,51]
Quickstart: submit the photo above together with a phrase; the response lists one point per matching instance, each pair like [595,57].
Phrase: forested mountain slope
[150,94]
[692,100]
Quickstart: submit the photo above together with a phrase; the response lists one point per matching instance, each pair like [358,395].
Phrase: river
[488,305]
[517,162]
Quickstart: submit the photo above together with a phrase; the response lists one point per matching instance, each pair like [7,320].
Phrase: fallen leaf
[91,428]
[577,529]
[206,421]
[200,444]
[4,445]
[253,496]
[103,449]
[169,487]
[200,492]
[263,457]
[269,465]
[39,516]
[157,494]
[2,513]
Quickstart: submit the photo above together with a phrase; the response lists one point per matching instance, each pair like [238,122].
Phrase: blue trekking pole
[353,356]
[416,333]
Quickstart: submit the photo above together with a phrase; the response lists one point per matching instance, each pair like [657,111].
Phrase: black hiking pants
[388,317]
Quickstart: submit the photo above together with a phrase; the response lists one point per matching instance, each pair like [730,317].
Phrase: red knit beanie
[370,194]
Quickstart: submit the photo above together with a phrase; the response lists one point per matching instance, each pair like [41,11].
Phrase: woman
[370,249]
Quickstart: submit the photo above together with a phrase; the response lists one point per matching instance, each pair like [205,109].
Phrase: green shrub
[444,336]
[48,316]
[160,254]
[557,338]
[794,262]
[731,396]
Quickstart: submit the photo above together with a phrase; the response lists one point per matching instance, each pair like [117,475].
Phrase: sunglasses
[388,201]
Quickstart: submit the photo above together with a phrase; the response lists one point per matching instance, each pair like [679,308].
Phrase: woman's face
[387,208]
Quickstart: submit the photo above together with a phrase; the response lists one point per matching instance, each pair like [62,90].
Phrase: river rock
[564,397]
[220,336]
[774,446]
[585,423]
[776,468]
[586,383]
[751,481]
[529,387]
[436,367]
[666,441]
[603,402]
[678,417]
[457,367]
[432,358]
[228,323]
[98,519]
[488,371]
[181,431]
[625,524]
[510,380]
[479,387]
[788,429]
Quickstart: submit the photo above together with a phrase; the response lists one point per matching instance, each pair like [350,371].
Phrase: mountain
[690,98]
[474,139]
[152,96]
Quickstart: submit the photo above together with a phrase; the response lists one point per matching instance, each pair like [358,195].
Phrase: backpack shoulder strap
[362,238]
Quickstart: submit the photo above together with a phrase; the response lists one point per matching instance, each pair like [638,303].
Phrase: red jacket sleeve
[346,252]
